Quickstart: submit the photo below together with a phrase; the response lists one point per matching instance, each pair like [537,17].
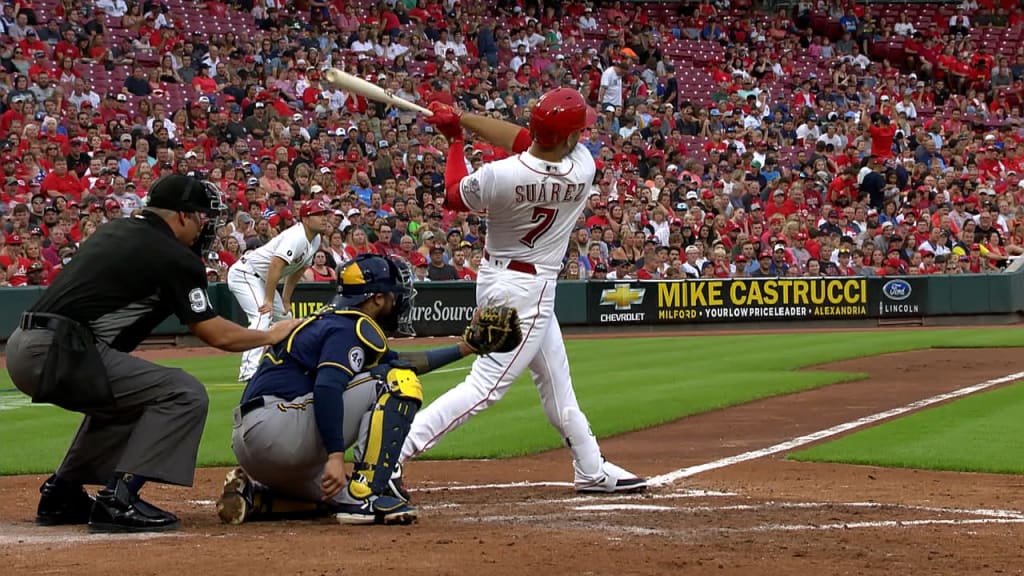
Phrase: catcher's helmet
[369,274]
[559,113]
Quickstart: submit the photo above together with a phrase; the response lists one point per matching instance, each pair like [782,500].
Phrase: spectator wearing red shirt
[16,113]
[649,271]
[845,266]
[204,83]
[32,45]
[459,263]
[928,265]
[779,205]
[883,132]
[62,182]
[67,47]
[600,216]
[12,259]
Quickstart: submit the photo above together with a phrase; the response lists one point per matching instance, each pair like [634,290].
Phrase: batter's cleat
[236,501]
[62,503]
[613,480]
[396,487]
[121,510]
[377,510]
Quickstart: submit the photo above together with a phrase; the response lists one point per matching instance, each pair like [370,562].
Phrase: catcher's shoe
[396,487]
[613,479]
[376,510]
[236,501]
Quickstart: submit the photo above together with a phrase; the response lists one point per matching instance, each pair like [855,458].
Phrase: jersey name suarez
[543,192]
[532,205]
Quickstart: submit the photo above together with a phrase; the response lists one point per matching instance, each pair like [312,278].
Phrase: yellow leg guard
[389,425]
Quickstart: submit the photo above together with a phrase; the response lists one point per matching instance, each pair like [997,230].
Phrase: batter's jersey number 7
[543,217]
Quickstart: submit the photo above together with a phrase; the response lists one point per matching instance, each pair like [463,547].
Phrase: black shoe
[121,510]
[62,503]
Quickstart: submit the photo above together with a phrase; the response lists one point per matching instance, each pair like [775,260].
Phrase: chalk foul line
[788,445]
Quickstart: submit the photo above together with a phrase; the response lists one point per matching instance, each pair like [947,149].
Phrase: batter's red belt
[517,265]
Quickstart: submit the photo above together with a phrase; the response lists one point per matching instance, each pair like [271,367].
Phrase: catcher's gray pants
[152,429]
[279,443]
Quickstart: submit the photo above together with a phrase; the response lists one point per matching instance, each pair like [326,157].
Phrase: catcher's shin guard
[389,425]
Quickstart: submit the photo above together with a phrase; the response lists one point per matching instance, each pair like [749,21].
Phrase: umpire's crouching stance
[142,421]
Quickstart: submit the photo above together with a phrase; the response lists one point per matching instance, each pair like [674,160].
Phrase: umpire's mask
[188,194]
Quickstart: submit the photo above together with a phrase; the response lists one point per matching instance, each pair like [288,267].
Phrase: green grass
[980,433]
[622,384]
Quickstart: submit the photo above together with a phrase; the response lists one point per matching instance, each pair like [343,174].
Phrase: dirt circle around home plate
[721,514]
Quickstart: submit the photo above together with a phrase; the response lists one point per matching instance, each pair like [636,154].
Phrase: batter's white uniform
[532,208]
[247,281]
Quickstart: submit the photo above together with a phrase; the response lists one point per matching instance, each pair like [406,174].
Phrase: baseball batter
[533,199]
[254,277]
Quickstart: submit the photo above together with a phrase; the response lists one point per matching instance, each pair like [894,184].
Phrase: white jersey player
[532,199]
[254,277]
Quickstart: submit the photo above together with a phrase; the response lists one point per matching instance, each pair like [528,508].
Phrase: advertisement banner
[310,297]
[898,297]
[754,299]
[441,308]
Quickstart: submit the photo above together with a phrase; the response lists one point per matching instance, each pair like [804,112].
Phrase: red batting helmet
[558,114]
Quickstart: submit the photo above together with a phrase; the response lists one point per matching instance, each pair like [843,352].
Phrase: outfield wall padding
[444,308]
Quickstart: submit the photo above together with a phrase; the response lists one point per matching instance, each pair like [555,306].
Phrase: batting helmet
[369,274]
[558,114]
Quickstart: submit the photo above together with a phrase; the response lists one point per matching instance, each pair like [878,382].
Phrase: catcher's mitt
[493,329]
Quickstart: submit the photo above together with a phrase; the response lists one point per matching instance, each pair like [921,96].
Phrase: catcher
[332,385]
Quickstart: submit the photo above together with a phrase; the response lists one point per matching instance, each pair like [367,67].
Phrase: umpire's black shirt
[127,279]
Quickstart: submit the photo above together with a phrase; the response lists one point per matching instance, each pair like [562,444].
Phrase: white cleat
[612,480]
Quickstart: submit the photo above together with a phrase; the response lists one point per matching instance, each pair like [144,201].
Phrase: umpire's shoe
[376,510]
[62,503]
[121,510]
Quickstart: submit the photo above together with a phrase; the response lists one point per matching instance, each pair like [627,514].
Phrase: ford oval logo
[897,289]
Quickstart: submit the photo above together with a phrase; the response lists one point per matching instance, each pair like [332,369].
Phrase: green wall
[946,296]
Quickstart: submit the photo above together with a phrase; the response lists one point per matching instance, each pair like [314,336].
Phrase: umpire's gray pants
[279,444]
[152,429]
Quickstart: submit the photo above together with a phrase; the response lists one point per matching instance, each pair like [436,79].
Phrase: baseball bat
[356,85]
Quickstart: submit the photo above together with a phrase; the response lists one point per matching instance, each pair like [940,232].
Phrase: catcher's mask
[368,274]
[188,194]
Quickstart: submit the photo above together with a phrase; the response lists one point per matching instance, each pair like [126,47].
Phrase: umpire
[72,348]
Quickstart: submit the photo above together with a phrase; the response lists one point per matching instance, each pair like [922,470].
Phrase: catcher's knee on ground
[389,425]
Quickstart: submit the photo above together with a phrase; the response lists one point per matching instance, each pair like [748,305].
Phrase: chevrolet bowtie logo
[622,296]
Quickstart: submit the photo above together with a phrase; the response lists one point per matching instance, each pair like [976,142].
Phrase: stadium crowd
[832,139]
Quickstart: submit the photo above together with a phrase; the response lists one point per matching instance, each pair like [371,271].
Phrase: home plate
[614,507]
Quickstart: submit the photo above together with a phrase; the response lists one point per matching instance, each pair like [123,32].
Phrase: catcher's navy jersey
[347,340]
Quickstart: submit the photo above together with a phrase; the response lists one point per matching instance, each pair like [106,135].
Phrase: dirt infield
[764,515]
